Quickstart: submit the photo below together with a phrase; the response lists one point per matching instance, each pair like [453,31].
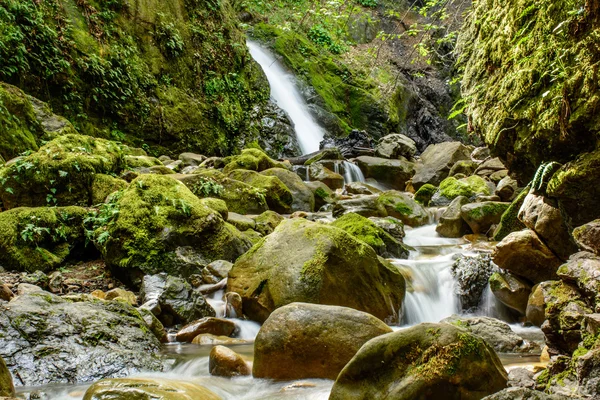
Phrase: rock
[154,324]
[241,222]
[277,195]
[360,188]
[480,153]
[498,175]
[522,378]
[331,153]
[173,300]
[542,215]
[318,172]
[163,227]
[315,263]
[303,197]
[252,159]
[26,288]
[392,173]
[524,254]
[514,393]
[233,305]
[367,206]
[191,159]
[427,361]
[5,293]
[588,236]
[267,222]
[471,274]
[7,389]
[212,340]
[402,206]
[391,225]
[451,224]
[40,239]
[451,188]
[489,166]
[123,295]
[437,159]
[396,146]
[583,270]
[496,333]
[140,163]
[323,194]
[300,341]
[47,339]
[465,167]
[147,388]
[425,194]
[482,216]
[509,222]
[223,361]
[507,189]
[367,231]
[105,185]
[348,145]
[510,290]
[216,271]
[213,326]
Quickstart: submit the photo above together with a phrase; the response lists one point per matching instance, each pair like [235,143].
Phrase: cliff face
[174,74]
[531,79]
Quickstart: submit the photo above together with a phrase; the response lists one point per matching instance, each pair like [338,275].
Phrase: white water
[287,96]
[352,173]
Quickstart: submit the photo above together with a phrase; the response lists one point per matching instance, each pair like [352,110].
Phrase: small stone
[55,282]
[5,293]
[99,294]
[233,305]
[25,288]
[226,362]
[122,294]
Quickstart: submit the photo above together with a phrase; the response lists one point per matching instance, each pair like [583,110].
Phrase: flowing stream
[287,96]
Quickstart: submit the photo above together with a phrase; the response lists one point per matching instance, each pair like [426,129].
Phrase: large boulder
[471,274]
[303,198]
[254,160]
[392,173]
[367,206]
[436,161]
[524,254]
[7,388]
[315,263]
[40,239]
[507,189]
[510,290]
[277,195]
[588,236]
[158,225]
[301,341]
[367,231]
[147,389]
[323,194]
[451,224]
[48,339]
[583,270]
[482,216]
[427,361]
[396,146]
[403,206]
[451,188]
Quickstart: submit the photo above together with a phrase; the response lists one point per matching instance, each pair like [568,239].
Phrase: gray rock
[482,216]
[522,378]
[367,206]
[451,224]
[514,393]
[318,172]
[360,188]
[216,271]
[480,153]
[510,290]
[391,225]
[583,270]
[436,162]
[323,194]
[471,274]
[588,236]
[191,159]
[396,146]
[507,189]
[489,166]
[303,197]
[392,173]
[465,167]
[241,222]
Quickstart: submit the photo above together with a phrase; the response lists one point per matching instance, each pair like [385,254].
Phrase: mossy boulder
[451,188]
[403,206]
[302,341]
[318,172]
[303,198]
[482,216]
[510,290]
[465,167]
[303,261]
[427,361]
[588,236]
[436,161]
[367,231]
[135,162]
[583,270]
[40,239]
[147,388]
[451,224]
[323,194]
[332,153]
[367,206]
[104,185]
[7,389]
[277,195]
[161,226]
[509,222]
[254,160]
[392,173]
[425,193]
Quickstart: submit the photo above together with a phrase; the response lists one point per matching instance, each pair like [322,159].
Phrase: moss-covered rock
[104,185]
[254,160]
[367,231]
[318,172]
[465,167]
[332,153]
[277,195]
[425,361]
[588,236]
[367,206]
[402,206]
[509,222]
[425,193]
[510,290]
[267,222]
[134,162]
[315,263]
[161,226]
[147,388]
[451,188]
[482,216]
[40,239]
[304,199]
[323,194]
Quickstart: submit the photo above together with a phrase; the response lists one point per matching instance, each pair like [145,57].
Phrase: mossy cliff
[530,79]
[134,71]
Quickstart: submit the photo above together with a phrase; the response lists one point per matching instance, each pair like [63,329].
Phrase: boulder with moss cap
[252,159]
[403,206]
[482,216]
[451,188]
[277,195]
[315,263]
[303,198]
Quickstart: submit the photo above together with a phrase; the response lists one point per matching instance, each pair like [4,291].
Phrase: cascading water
[352,173]
[287,96]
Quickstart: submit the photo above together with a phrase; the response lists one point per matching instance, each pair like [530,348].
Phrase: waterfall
[287,96]
[352,173]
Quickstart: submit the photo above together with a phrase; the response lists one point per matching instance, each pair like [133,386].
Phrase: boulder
[216,271]
[465,167]
[392,173]
[507,189]
[524,254]
[425,194]
[427,361]
[451,224]
[140,163]
[367,231]
[318,172]
[303,197]
[121,295]
[436,161]
[360,188]
[315,263]
[482,216]
[48,339]
[496,333]
[211,325]
[587,236]
[489,166]
[173,300]
[252,159]
[583,270]
[191,159]
[521,377]
[323,194]
[7,389]
[542,215]
[104,185]
[391,225]
[509,222]
[367,206]
[519,393]
[510,290]
[480,153]
[301,341]
[451,188]
[396,146]
[403,206]
[161,226]
[471,273]
[223,361]
[267,222]
[146,389]
[277,195]
[241,222]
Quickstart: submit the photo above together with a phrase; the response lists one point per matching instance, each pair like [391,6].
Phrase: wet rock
[588,236]
[208,339]
[216,271]
[223,361]
[173,300]
[396,146]
[267,222]
[437,160]
[146,389]
[367,206]
[472,274]
[521,378]
[5,293]
[496,333]
[300,341]
[154,324]
[233,305]
[391,225]
[542,215]
[482,216]
[323,194]
[318,172]
[403,206]
[329,154]
[303,198]
[360,188]
[48,339]
[7,389]
[583,270]
[213,326]
[507,189]
[451,224]
[349,145]
[525,255]
[428,361]
[241,222]
[425,194]
[392,173]
[451,188]
[123,295]
[517,393]
[510,290]
[277,195]
[315,263]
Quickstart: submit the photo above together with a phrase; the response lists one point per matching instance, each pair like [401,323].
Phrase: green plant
[168,37]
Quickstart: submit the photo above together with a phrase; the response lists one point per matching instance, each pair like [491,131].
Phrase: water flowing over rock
[472,274]
[147,388]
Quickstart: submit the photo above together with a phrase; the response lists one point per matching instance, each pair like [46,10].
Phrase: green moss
[103,185]
[252,159]
[277,195]
[326,154]
[470,187]
[425,193]
[321,193]
[490,208]
[363,229]
[509,221]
